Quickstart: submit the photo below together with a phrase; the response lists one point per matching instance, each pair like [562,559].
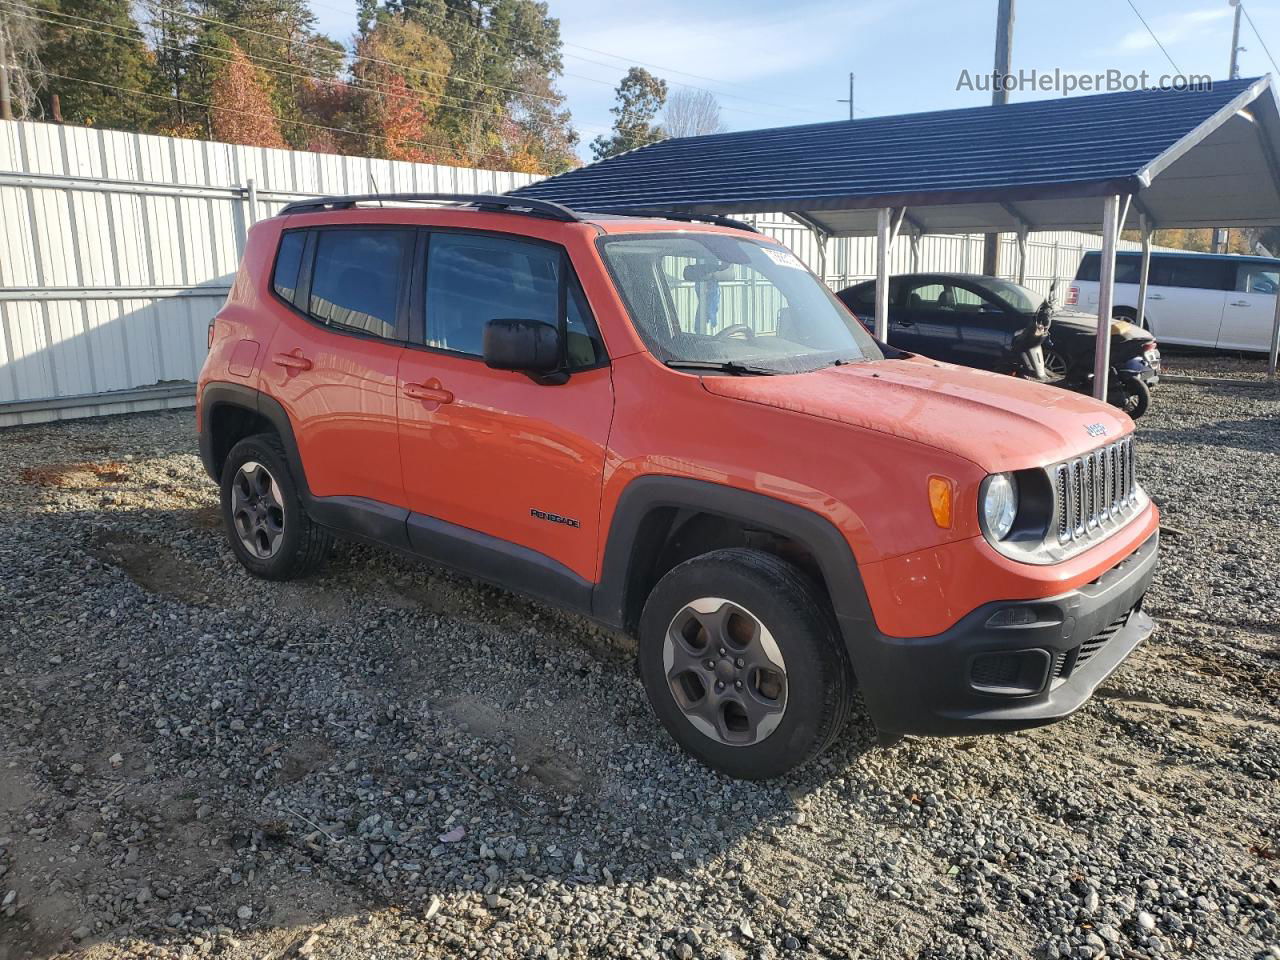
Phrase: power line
[357,56]
[1154,37]
[628,60]
[295,71]
[1254,27]
[243,113]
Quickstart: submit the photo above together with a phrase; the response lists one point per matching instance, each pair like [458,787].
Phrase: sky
[775,64]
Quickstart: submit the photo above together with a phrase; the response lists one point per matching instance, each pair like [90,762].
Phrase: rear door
[1186,297]
[333,358]
[986,328]
[923,319]
[1251,308]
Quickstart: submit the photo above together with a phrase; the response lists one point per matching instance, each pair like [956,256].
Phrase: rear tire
[269,532]
[743,663]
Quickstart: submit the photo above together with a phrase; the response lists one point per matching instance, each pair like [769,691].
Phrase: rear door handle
[293,361]
[1240,303]
[430,391]
[1155,296]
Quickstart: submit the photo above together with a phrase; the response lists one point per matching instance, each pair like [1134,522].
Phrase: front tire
[1136,397]
[269,532]
[743,663]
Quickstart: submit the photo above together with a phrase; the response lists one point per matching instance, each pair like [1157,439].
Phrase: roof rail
[713,218]
[485,201]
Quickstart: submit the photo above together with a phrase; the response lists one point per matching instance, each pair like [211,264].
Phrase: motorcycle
[1127,384]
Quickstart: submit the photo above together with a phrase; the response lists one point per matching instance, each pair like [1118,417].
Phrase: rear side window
[1128,268]
[1206,274]
[288,264]
[1088,268]
[474,278]
[355,282]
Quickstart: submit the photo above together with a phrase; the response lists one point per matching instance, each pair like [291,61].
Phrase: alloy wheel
[1055,365]
[257,510]
[725,671]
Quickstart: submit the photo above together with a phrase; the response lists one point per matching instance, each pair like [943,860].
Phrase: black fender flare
[220,394]
[632,524]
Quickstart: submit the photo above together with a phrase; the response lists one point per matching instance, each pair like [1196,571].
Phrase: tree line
[467,82]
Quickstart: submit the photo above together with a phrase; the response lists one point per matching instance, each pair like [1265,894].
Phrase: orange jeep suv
[672,427]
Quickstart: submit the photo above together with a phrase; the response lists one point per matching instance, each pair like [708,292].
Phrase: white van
[1196,299]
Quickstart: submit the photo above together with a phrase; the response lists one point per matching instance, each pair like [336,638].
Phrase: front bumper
[1009,664]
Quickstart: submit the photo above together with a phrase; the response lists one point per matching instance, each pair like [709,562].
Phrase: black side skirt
[491,559]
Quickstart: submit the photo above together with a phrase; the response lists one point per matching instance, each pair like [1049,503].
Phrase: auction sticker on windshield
[783,258]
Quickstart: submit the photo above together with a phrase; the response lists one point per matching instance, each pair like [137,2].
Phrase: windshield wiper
[722,366]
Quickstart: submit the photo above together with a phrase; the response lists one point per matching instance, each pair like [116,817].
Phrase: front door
[334,356]
[492,452]
[1250,312]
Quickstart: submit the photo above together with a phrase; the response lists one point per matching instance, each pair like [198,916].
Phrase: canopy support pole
[884,240]
[1144,224]
[1275,343]
[1106,294]
[915,252]
[1022,253]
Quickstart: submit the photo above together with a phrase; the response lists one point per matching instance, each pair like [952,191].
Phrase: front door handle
[1240,303]
[292,361]
[430,391]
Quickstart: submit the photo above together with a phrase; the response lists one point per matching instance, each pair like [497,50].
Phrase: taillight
[209,345]
[1073,296]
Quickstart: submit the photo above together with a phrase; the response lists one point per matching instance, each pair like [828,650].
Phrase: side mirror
[530,346]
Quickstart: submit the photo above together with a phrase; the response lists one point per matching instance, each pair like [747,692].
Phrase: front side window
[356,279]
[474,278]
[713,298]
[1258,278]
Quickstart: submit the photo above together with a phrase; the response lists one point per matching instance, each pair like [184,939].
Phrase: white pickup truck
[1220,301]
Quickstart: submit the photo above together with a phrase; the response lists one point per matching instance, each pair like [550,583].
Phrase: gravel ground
[1186,362]
[388,761]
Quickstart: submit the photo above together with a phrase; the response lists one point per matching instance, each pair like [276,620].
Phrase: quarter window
[288,264]
[356,279]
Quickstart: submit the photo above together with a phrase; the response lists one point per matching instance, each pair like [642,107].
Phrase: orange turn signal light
[941,501]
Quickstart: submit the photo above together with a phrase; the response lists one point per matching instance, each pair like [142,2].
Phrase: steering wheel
[734,329]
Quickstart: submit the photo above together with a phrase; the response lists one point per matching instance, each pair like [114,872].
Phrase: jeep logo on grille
[1095,429]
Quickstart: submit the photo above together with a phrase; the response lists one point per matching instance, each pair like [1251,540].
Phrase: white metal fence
[116,249]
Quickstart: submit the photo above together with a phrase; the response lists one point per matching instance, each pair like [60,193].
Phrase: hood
[1086,324]
[998,422]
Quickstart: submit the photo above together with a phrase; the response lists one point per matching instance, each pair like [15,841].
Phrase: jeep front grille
[1095,489]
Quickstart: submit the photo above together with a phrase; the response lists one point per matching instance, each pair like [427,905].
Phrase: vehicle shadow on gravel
[207,757]
[1241,434]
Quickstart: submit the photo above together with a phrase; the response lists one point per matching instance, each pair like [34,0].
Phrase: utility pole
[1233,72]
[999,97]
[6,106]
[850,100]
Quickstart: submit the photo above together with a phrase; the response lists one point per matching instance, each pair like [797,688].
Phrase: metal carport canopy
[1174,158]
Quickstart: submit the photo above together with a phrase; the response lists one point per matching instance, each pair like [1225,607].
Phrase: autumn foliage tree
[240,105]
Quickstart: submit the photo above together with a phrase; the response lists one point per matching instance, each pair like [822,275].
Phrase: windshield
[711,298]
[1014,294]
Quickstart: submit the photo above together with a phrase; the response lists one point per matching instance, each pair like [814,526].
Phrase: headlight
[998,503]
